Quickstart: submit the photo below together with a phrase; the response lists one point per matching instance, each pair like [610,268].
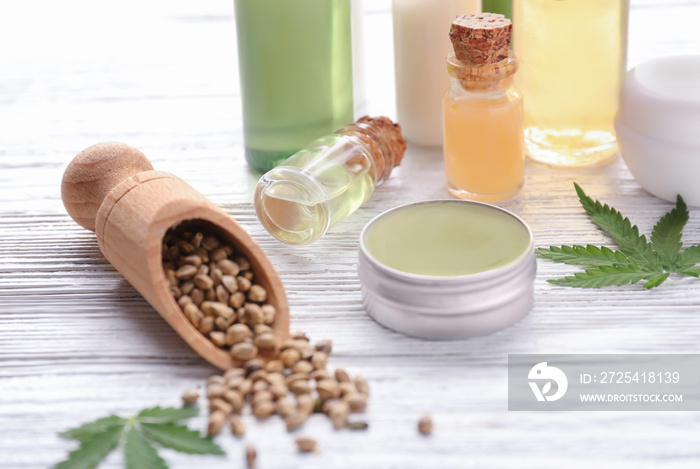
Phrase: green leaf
[656,281]
[694,272]
[584,255]
[99,438]
[167,414]
[666,235]
[180,438]
[139,453]
[91,429]
[604,276]
[622,231]
[688,258]
[93,449]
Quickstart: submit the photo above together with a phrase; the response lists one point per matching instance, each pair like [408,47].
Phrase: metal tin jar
[447,307]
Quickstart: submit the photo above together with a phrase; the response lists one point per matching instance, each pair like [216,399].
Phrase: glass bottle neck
[490,88]
[483,78]
[377,148]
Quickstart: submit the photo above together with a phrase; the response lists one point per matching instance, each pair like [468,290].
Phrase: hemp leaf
[637,260]
[139,433]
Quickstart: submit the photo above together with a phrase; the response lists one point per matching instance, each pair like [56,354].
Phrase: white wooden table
[77,342]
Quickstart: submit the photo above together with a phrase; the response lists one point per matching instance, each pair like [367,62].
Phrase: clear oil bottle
[301,199]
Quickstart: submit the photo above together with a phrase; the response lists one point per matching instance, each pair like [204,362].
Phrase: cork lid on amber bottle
[481,49]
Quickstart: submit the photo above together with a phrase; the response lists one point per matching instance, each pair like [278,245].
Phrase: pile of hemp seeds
[216,290]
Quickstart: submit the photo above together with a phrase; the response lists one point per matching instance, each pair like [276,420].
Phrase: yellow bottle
[483,122]
[573,56]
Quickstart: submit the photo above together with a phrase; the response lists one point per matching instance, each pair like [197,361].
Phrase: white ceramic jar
[447,307]
[658,126]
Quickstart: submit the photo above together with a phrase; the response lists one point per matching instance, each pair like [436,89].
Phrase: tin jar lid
[471,270]
[661,99]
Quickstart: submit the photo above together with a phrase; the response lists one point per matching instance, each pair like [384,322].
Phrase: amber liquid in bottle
[483,144]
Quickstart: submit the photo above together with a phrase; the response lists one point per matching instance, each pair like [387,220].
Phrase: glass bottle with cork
[302,198]
[483,111]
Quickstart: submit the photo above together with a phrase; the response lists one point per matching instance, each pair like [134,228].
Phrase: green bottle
[504,7]
[295,62]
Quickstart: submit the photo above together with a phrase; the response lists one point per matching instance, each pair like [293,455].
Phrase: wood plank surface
[77,342]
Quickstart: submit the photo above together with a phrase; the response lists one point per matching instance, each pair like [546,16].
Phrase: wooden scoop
[112,189]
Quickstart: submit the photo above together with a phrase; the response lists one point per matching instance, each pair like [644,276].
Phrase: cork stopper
[482,38]
[396,145]
[382,139]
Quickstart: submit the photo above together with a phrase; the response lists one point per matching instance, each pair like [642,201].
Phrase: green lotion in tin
[446,239]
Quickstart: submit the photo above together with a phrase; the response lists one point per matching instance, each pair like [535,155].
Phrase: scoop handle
[93,173]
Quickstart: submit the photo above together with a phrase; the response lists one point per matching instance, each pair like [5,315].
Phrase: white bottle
[421,43]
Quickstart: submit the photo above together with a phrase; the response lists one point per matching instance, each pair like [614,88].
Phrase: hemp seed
[342,376]
[289,357]
[257,294]
[243,283]
[216,422]
[425,425]
[285,406]
[237,427]
[264,409]
[215,390]
[266,341]
[237,299]
[250,456]
[300,386]
[217,255]
[328,389]
[234,398]
[197,240]
[356,401]
[361,385]
[218,338]
[221,405]
[306,445]
[274,366]
[189,397]
[229,267]
[237,333]
[339,414]
[325,346]
[295,420]
[357,425]
[306,403]
[244,351]
[186,271]
[206,325]
[210,243]
[269,312]
[319,360]
[302,366]
[253,314]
